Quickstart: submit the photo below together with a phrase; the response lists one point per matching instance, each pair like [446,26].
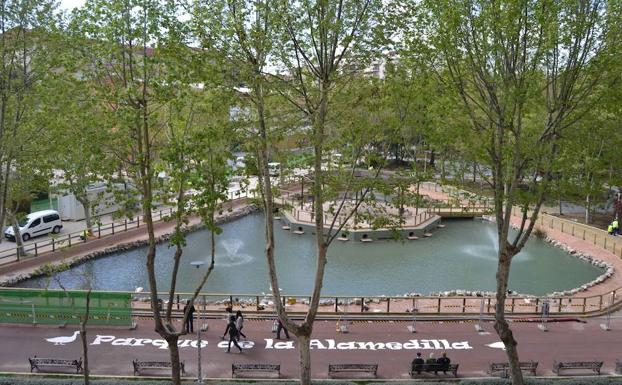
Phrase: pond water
[460,256]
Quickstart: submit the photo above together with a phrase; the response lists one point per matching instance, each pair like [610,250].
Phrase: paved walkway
[388,344]
[77,251]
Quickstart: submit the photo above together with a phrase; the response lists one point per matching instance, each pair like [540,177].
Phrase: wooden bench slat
[504,367]
[367,368]
[138,365]
[37,362]
[428,368]
[594,366]
[238,367]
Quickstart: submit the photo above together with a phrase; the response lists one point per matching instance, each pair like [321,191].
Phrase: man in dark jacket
[417,363]
[189,321]
[280,327]
[443,362]
[233,334]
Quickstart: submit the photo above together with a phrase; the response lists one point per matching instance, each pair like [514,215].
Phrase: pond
[460,256]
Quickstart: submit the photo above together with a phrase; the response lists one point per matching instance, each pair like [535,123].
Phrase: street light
[198,264]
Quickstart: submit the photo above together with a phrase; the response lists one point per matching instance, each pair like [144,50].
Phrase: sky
[70,4]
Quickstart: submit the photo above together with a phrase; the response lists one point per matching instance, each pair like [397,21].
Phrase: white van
[35,224]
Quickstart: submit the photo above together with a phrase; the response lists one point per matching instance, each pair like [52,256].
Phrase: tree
[321,42]
[523,70]
[51,271]
[132,56]
[25,28]
[80,159]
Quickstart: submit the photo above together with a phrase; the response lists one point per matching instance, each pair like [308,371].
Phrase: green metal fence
[39,306]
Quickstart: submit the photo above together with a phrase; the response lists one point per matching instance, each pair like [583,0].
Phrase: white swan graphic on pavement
[63,340]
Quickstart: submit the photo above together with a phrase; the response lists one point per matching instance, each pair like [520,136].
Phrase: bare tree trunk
[86,205]
[588,209]
[5,179]
[474,172]
[18,236]
[174,353]
[501,324]
[304,351]
[85,344]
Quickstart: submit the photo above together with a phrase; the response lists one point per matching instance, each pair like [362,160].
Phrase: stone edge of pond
[251,208]
[227,216]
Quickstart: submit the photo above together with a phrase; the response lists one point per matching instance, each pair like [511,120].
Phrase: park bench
[265,368]
[139,365]
[504,368]
[589,365]
[349,368]
[429,368]
[38,362]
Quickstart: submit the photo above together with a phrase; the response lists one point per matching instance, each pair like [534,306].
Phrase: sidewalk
[388,344]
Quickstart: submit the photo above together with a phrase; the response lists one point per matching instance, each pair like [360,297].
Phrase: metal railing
[56,242]
[584,232]
[398,306]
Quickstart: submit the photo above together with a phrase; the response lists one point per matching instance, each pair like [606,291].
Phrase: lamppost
[198,264]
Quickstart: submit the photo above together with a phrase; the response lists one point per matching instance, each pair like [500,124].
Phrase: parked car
[35,224]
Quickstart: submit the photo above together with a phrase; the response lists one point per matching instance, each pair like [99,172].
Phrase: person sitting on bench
[417,364]
[443,362]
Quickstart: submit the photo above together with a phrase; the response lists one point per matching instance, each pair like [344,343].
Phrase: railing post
[362,304]
[138,221]
[112,227]
[99,230]
[257,302]
[464,305]
[69,239]
[53,245]
[388,305]
[584,304]
[336,304]
[438,309]
[559,309]
[600,302]
[513,302]
[125,223]
[36,250]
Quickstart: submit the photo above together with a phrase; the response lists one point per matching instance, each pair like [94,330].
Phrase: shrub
[539,233]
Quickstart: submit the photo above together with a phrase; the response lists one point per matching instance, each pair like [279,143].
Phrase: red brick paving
[563,341]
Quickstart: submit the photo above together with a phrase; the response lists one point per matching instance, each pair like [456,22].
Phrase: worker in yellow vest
[616,227]
[610,229]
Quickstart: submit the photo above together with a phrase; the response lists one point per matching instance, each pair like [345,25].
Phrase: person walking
[279,327]
[239,323]
[189,325]
[233,334]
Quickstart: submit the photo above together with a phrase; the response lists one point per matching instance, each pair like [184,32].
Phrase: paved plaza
[389,344]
